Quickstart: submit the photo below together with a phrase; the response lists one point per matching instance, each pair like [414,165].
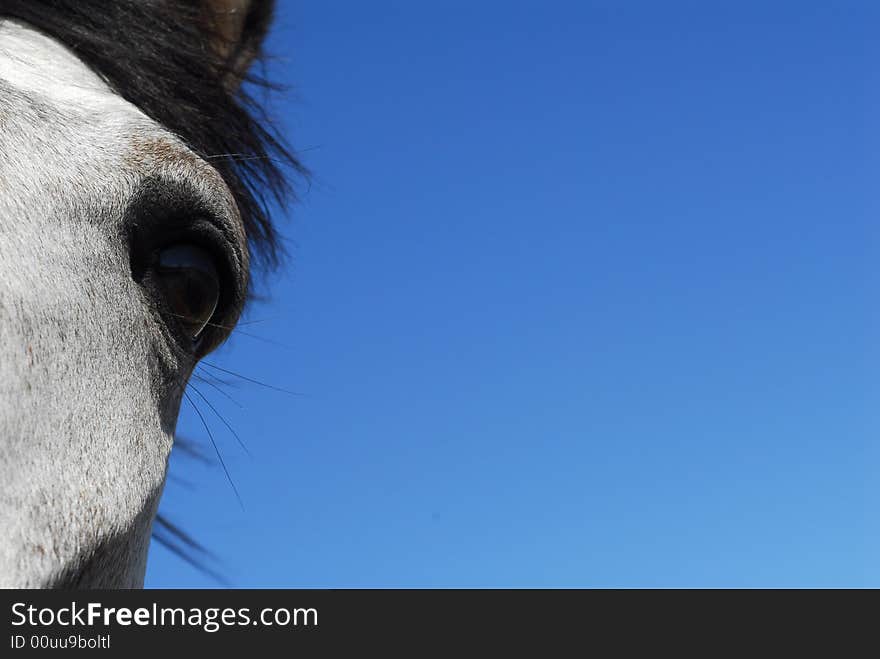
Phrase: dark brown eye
[191,285]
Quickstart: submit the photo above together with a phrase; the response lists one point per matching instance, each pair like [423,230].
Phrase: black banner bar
[422,620]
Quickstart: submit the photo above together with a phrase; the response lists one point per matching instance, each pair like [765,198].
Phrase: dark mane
[157,54]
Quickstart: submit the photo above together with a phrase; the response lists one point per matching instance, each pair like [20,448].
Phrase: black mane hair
[158,55]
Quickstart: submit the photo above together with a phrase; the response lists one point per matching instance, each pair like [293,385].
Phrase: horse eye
[191,285]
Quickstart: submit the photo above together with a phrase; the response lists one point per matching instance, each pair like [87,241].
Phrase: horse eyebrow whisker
[249,156]
[239,157]
[216,450]
[260,338]
[254,322]
[225,422]
[201,378]
[247,379]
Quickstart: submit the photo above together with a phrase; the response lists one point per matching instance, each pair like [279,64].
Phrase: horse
[136,176]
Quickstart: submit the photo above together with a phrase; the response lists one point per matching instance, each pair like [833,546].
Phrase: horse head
[132,173]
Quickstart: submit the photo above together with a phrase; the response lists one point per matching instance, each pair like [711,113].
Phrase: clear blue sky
[583,294]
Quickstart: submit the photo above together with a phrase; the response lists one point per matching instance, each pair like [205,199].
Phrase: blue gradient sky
[582,294]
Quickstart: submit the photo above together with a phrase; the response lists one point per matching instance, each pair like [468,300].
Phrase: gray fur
[90,379]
